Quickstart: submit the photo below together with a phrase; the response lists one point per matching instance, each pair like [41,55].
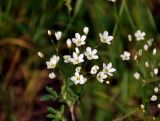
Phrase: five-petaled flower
[105,38]
[139,35]
[79,40]
[108,69]
[78,79]
[53,61]
[91,54]
[77,57]
[101,76]
[126,55]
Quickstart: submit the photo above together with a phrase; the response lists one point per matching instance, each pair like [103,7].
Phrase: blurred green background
[23,75]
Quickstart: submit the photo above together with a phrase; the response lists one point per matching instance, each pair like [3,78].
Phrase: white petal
[77,35]
[83,38]
[88,49]
[105,34]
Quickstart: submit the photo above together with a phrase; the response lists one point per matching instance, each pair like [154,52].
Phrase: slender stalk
[72,112]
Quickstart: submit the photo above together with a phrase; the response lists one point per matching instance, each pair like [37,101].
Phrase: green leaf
[48,97]
[51,91]
[51,116]
[62,109]
[51,110]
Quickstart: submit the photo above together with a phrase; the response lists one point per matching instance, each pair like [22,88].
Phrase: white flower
[105,38]
[140,52]
[153,98]
[52,75]
[156,89]
[147,64]
[107,82]
[77,58]
[149,42]
[85,30]
[94,69]
[139,35]
[91,54]
[145,47]
[154,51]
[135,57]
[69,43]
[79,40]
[58,35]
[101,76]
[78,69]
[67,58]
[49,32]
[136,75]
[112,0]
[142,106]
[126,55]
[129,38]
[78,79]
[40,54]
[155,71]
[158,105]
[53,61]
[108,69]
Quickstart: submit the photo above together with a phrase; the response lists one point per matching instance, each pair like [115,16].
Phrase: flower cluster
[80,55]
[148,63]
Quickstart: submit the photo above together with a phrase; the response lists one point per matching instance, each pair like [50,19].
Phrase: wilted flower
[52,75]
[101,76]
[125,55]
[78,79]
[53,61]
[85,30]
[91,54]
[108,69]
[139,35]
[67,58]
[79,40]
[149,42]
[78,69]
[105,38]
[136,75]
[140,52]
[94,69]
[69,43]
[40,54]
[58,35]
[153,98]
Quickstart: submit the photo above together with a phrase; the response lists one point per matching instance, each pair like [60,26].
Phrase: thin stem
[72,112]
